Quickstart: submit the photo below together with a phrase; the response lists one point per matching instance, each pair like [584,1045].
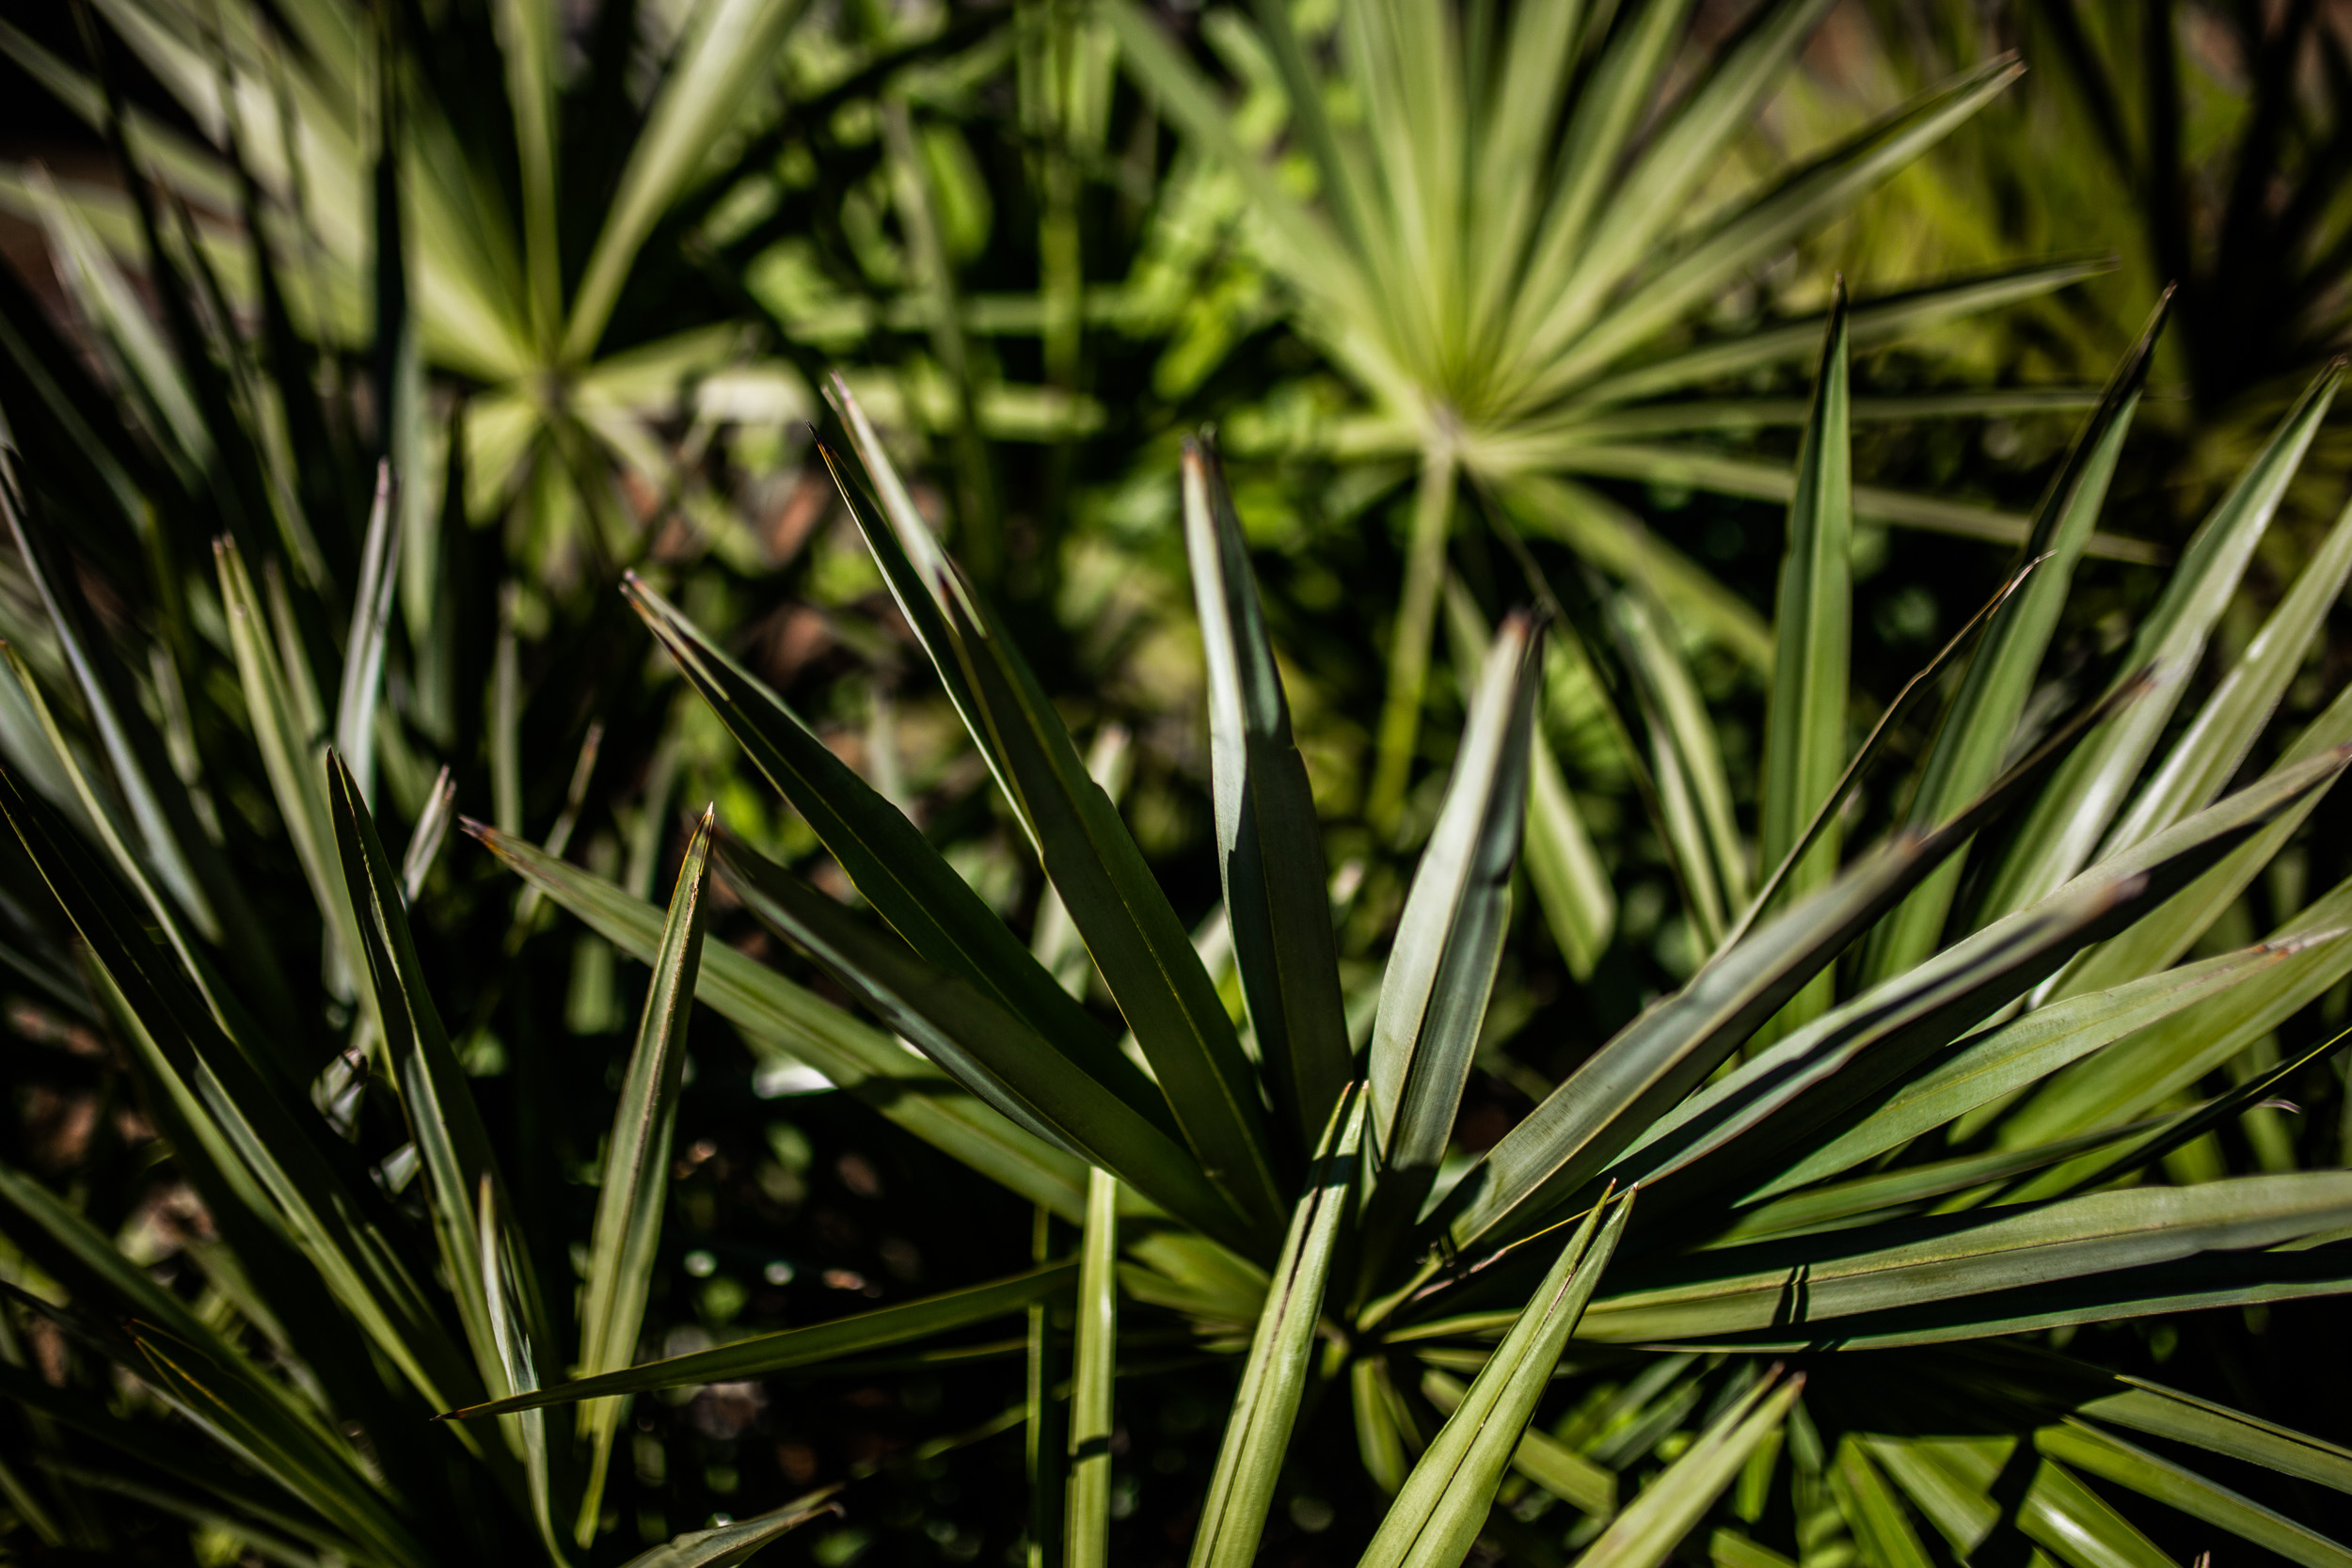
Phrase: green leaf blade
[1440,971]
[635,1189]
[1655,1522]
[794,1348]
[1141,949]
[1274,1378]
[984,1047]
[2081,803]
[1269,844]
[888,859]
[788,1019]
[1805,728]
[1437,1513]
[730,1545]
[1093,1371]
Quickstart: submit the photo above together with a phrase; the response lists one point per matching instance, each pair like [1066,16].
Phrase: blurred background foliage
[574,271]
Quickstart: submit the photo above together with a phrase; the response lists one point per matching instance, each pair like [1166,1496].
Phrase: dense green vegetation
[1507,782]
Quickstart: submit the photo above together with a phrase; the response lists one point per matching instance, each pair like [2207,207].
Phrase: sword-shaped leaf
[1768,222]
[1997,1061]
[1436,1517]
[1550,1464]
[2210,752]
[1142,950]
[1681,154]
[984,1047]
[159,1450]
[247,1124]
[1874,1511]
[1852,1056]
[1442,968]
[1869,324]
[2174,1416]
[191,1365]
[1093,1369]
[636,1185]
[2145,1070]
[1970,1488]
[1615,1095]
[267,1048]
[778,1015]
[503,1291]
[893,865]
[300,1455]
[1386,1439]
[728,55]
[1804,724]
[2125,1465]
[1873,749]
[1983,716]
[1604,115]
[1274,1378]
[2143,1144]
[1904,1190]
[170,853]
[1654,1523]
[287,730]
[1572,885]
[731,1545]
[1693,786]
[2073,812]
[1269,847]
[906,882]
[452,1145]
[1800,1293]
[914,566]
[424,839]
[765,1354]
[370,625]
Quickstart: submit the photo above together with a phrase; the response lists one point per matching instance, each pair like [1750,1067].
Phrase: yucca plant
[1972,1144]
[2199,110]
[1798,1233]
[2227,123]
[475,200]
[1519,219]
